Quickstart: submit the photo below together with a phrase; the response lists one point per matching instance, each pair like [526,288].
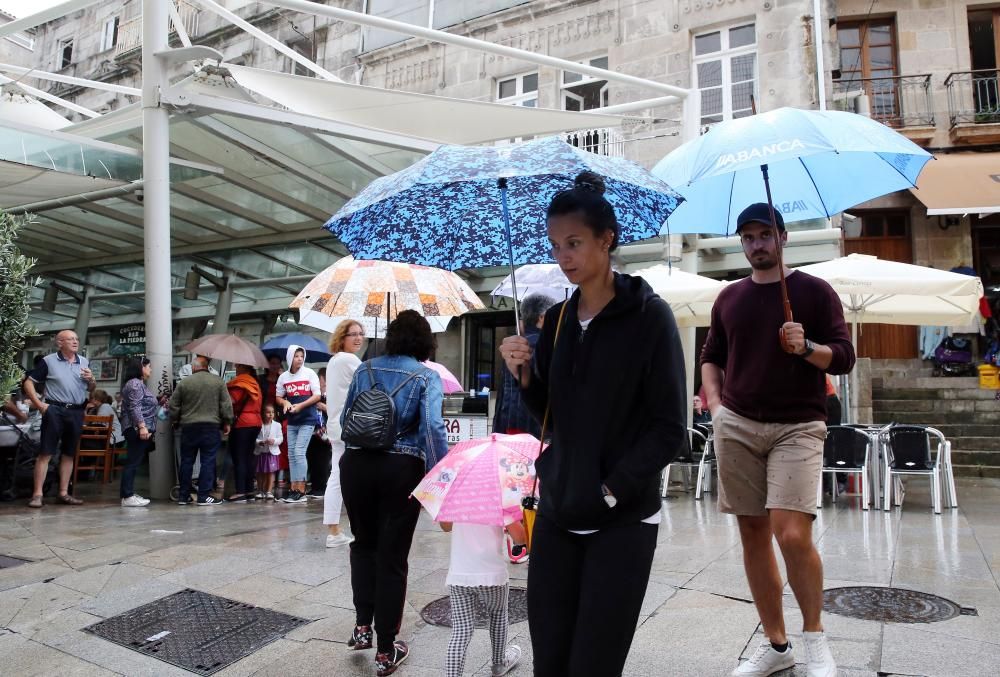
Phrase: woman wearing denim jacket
[138,420]
[377,485]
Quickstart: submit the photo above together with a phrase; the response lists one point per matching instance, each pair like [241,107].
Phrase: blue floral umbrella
[479,206]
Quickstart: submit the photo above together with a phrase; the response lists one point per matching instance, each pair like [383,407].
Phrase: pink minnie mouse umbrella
[481,481]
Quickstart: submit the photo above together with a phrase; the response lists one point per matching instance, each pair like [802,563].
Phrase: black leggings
[376,487]
[241,446]
[584,597]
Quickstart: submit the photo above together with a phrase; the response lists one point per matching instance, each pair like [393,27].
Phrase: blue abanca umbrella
[819,164]
[447,210]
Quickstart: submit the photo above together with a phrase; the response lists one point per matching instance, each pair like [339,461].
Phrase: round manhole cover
[889,605]
[438,612]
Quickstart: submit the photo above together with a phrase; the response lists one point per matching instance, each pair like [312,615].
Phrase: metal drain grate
[196,631]
[11,562]
[438,612]
[890,605]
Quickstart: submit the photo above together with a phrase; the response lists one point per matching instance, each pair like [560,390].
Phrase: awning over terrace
[266,158]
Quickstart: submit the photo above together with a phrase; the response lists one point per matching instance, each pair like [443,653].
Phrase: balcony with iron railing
[974,106]
[898,101]
[130,32]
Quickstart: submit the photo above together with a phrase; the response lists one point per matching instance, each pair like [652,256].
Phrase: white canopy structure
[690,296]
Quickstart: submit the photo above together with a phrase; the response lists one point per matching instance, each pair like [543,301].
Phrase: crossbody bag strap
[545,418]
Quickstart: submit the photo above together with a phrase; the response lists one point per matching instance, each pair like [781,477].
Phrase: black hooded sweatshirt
[618,407]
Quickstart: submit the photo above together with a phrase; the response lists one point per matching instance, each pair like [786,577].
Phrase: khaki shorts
[767,465]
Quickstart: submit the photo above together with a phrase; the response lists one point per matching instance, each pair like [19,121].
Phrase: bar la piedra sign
[128,340]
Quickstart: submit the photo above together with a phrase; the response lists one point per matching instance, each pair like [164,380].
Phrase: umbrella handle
[786,304]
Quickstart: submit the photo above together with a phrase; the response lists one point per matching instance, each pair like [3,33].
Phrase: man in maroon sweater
[769,414]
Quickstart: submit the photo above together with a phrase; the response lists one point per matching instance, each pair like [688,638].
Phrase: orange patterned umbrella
[381,289]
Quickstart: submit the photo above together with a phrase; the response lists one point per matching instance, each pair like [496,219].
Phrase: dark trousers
[241,445]
[61,428]
[318,457]
[584,596]
[137,451]
[204,439]
[377,487]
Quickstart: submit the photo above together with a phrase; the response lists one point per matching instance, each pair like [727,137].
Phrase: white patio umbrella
[874,290]
[690,296]
[537,278]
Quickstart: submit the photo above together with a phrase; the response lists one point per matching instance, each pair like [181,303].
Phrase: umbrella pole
[780,256]
[502,184]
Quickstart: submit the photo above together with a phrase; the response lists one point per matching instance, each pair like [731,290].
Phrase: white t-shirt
[656,517]
[477,556]
[297,388]
[339,373]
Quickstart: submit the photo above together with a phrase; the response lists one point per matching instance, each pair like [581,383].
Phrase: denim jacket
[418,404]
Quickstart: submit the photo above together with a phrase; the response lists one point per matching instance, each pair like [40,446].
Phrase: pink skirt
[268,463]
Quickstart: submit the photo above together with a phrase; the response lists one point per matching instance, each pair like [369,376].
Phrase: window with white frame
[580,92]
[64,53]
[109,34]
[518,90]
[725,72]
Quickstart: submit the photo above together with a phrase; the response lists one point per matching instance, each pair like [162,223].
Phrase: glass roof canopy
[260,217]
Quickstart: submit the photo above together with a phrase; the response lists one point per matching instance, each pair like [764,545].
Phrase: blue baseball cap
[759,213]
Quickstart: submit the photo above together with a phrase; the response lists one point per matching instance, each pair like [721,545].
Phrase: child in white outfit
[267,451]
[478,571]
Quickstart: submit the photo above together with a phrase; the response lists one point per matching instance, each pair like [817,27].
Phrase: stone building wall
[646,38]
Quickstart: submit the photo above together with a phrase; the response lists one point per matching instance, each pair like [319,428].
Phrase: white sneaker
[765,661]
[135,501]
[819,658]
[511,658]
[338,540]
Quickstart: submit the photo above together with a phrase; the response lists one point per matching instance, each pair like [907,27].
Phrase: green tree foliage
[15,284]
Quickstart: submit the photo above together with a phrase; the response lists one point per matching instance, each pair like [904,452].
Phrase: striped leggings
[463,622]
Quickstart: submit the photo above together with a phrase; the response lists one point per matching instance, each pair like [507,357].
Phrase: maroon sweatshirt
[761,381]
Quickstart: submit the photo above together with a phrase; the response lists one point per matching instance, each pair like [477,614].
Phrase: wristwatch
[810,347]
[609,498]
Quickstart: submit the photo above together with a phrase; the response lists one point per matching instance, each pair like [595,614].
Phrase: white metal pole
[447,38]
[69,80]
[818,39]
[156,213]
[268,40]
[688,264]
[51,98]
[44,16]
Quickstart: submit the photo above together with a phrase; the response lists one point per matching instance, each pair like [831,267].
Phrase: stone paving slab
[99,560]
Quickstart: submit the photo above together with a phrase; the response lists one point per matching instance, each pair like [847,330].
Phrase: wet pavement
[86,564]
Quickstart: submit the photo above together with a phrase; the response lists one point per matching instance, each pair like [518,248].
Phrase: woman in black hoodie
[614,385]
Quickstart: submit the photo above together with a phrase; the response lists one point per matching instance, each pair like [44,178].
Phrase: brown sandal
[35,502]
[70,500]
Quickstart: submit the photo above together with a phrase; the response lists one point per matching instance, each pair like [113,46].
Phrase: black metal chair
[846,450]
[907,451]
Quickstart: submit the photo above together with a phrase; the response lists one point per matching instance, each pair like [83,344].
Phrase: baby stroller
[17,465]
[953,357]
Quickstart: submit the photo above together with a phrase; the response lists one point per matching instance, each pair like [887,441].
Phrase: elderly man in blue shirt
[68,383]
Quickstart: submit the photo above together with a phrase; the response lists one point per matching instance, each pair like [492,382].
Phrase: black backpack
[370,422]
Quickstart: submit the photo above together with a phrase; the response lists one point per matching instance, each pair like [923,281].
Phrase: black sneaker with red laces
[387,662]
[361,638]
